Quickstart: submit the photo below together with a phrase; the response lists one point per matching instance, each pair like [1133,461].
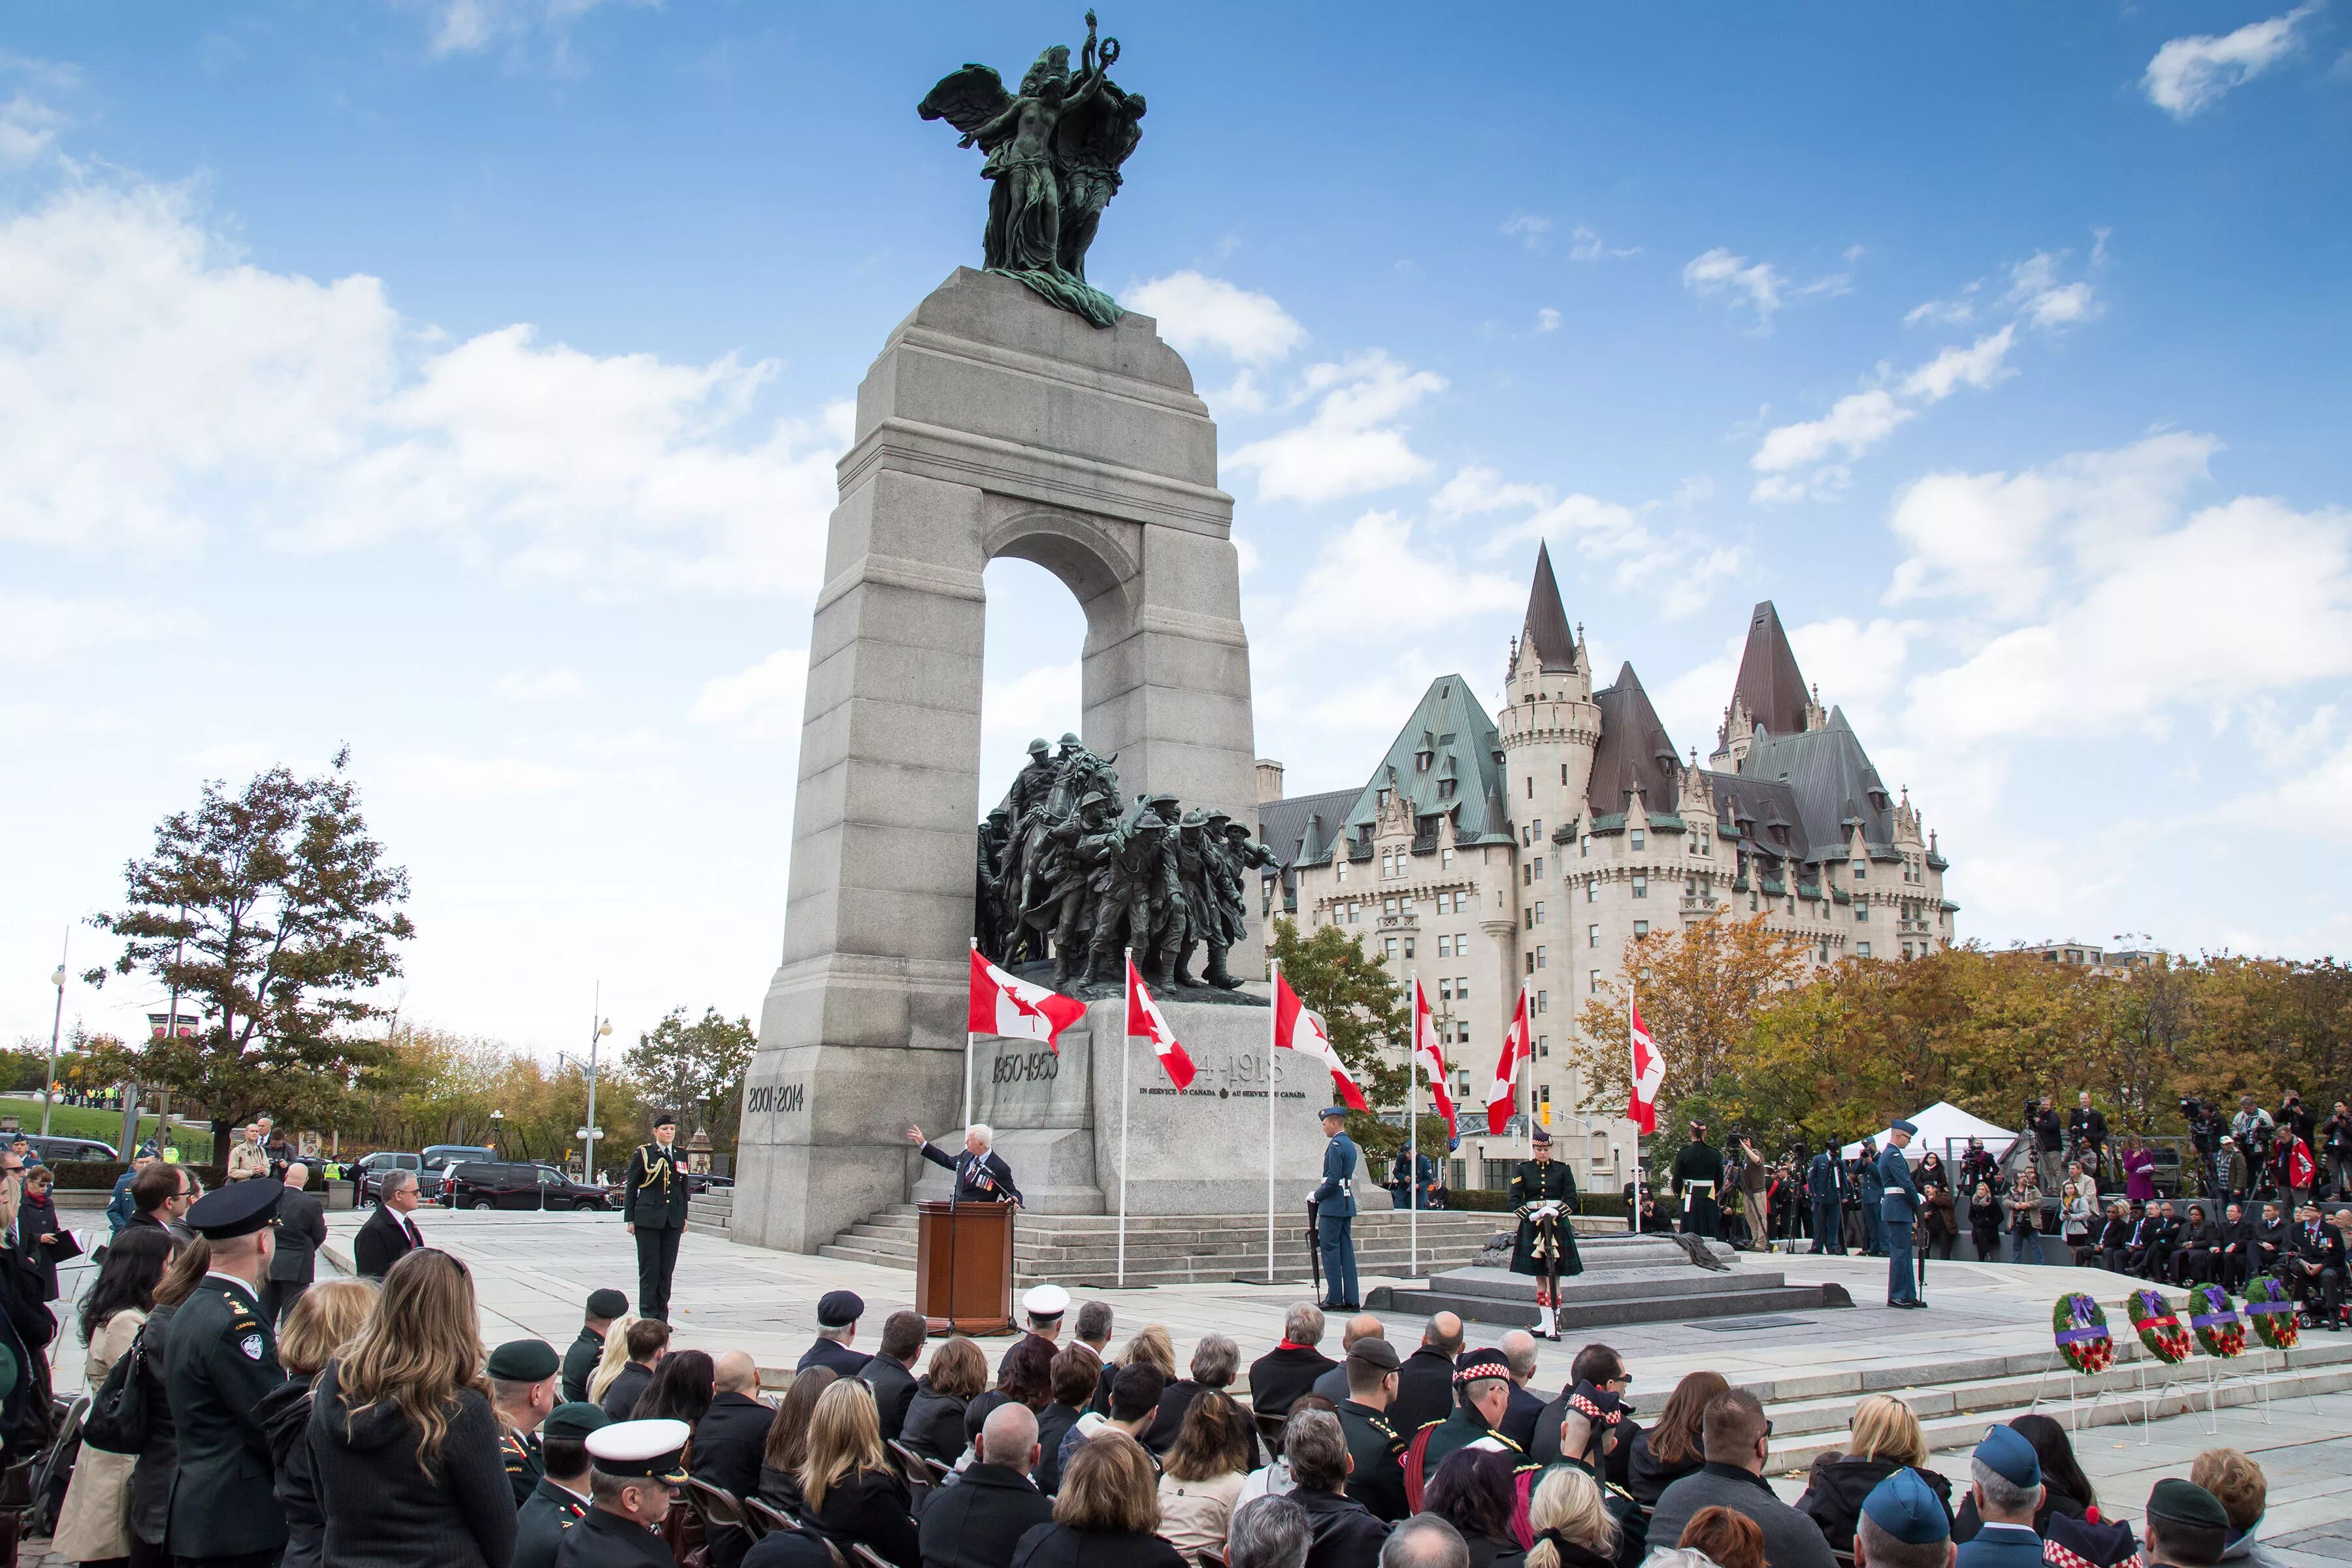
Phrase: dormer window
[1861,870]
[1636,838]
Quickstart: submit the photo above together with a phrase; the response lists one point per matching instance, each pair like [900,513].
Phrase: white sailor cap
[641,1448]
[1045,1301]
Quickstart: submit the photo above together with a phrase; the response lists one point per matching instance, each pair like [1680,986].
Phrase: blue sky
[461,379]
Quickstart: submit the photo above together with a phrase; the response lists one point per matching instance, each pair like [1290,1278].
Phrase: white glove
[1311,1196]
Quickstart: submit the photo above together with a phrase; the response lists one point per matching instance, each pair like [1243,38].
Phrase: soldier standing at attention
[1335,1213]
[1698,1177]
[653,1203]
[1899,1204]
[1546,1245]
[220,1361]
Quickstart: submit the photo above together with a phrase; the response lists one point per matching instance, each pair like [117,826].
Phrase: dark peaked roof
[1635,752]
[1818,782]
[1770,682]
[1546,629]
[1301,827]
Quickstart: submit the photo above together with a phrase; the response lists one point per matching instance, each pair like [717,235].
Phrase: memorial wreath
[2272,1311]
[2221,1329]
[2080,1326]
[2160,1327]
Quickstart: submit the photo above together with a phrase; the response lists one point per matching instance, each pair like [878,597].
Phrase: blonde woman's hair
[321,1321]
[615,1356]
[957,1368]
[1570,1501]
[1885,1428]
[1154,1349]
[844,1438]
[1108,1484]
[419,1347]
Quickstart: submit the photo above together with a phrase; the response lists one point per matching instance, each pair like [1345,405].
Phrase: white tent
[1945,1128]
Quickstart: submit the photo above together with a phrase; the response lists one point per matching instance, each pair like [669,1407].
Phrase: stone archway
[990,424]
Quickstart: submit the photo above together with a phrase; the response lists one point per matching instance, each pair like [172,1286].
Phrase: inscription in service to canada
[784,1098]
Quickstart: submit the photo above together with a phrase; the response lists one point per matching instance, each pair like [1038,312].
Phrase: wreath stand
[2188,1392]
[2078,1410]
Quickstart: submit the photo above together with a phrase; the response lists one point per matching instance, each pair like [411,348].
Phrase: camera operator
[2205,1136]
[2049,1138]
[2086,1135]
[2251,1134]
[2335,1148]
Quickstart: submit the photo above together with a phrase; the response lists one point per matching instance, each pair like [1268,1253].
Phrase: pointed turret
[1546,632]
[1635,752]
[1770,689]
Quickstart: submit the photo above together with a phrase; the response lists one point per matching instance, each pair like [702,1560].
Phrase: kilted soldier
[1543,1194]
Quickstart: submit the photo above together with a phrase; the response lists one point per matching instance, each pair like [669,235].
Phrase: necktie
[413,1239]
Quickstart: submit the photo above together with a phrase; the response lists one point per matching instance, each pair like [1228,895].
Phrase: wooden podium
[964,1267]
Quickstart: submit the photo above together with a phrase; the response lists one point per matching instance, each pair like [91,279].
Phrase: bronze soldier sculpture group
[1064,872]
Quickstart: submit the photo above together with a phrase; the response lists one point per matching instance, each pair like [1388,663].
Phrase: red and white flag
[1295,1028]
[1003,1005]
[1145,1021]
[1649,1072]
[1518,1049]
[1430,1052]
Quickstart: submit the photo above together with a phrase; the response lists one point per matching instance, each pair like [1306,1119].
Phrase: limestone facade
[1486,857]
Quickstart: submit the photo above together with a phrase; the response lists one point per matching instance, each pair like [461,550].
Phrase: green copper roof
[1452,731]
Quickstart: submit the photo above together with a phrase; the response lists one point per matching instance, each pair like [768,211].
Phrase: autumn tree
[274,910]
[1364,1011]
[678,1064]
[1701,989]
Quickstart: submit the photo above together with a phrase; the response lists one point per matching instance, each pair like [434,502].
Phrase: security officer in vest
[653,1203]
[1898,1205]
[560,1499]
[221,1361]
[1825,1186]
[1334,1202]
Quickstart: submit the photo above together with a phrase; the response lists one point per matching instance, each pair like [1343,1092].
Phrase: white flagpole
[971,1049]
[1273,1035]
[1125,1071]
[1633,1069]
[1528,1068]
[1412,1131]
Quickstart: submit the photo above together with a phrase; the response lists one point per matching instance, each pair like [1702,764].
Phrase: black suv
[503,1184]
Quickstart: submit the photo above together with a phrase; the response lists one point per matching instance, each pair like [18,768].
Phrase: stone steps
[711,1213]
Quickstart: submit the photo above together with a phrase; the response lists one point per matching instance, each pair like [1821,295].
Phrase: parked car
[707,1182]
[371,1169]
[435,1160]
[514,1184]
[54,1149]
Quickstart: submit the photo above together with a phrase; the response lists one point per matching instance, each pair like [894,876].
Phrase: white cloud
[764,702]
[1547,320]
[2191,74]
[1349,445]
[1375,561]
[152,381]
[38,630]
[1198,312]
[1587,246]
[2041,300]
[543,686]
[467,27]
[1677,571]
[1046,701]
[1854,423]
[1760,286]
[446,777]
[28,127]
[1977,365]
[1957,311]
[1527,229]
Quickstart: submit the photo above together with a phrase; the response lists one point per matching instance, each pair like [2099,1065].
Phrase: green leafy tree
[1364,1010]
[680,1063]
[274,910]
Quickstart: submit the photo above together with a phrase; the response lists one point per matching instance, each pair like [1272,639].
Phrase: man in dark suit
[837,1313]
[220,1363]
[1425,1381]
[580,1358]
[652,1209]
[981,1176]
[976,1522]
[389,1234]
[648,1342]
[729,1442]
[294,1257]
[1518,1423]
[891,1371]
[1825,1187]
[1278,1377]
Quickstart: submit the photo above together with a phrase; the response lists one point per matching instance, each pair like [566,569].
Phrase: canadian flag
[1431,1055]
[1146,1022]
[1502,1095]
[1003,1005]
[1297,1030]
[1649,1072]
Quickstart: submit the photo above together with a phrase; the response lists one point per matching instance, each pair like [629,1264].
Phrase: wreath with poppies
[2221,1327]
[2160,1327]
[2080,1326]
[2272,1311]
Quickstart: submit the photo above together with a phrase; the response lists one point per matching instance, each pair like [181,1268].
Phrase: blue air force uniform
[1335,1218]
[1825,1186]
[1898,1202]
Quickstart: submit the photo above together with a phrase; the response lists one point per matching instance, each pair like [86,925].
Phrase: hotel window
[1638,838]
[1352,907]
[1445,991]
[1539,911]
[1862,949]
[1531,786]
[1387,906]
[1408,947]
[1390,949]
[1641,887]
[1537,829]
[1563,772]
[1862,912]
[1527,918]
[1584,847]
[1527,874]
[1641,930]
[1445,947]
[1592,935]
[1592,892]
[1461,989]
[1860,870]
[1540,956]
[1531,962]
[1446,860]
[1405,905]
[1338,866]
[1543,1047]
[1388,865]
[1538,868]
[1543,1001]
[1593,984]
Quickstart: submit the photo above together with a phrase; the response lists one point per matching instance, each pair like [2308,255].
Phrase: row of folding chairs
[721,1509]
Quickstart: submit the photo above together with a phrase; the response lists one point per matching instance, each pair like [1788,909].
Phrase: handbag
[119,1420]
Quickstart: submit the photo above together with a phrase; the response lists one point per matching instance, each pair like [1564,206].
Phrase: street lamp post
[591,1132]
[57,1026]
[498,1133]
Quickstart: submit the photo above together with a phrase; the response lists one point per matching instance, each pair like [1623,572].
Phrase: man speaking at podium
[980,1173]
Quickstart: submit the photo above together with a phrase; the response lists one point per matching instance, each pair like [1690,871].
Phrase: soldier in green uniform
[522,1393]
[653,1204]
[1482,1389]
[221,1360]
[580,1358]
[560,1499]
[1543,1194]
[634,1469]
[1376,1479]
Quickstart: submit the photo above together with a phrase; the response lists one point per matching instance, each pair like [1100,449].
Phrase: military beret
[1543,1135]
[665,1119]
[524,1361]
[1488,1362]
[238,1210]
[574,1420]
[2009,1456]
[641,1448]
[1901,1506]
[607,1303]
[2175,1501]
[1375,1351]
[839,1309]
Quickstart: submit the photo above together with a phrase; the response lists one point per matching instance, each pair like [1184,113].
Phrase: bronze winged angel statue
[1054,152]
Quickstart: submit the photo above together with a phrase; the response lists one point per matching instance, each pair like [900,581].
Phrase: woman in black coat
[2201,1241]
[1104,1514]
[849,1493]
[323,1319]
[1984,1223]
[934,1426]
[402,1437]
[1886,1439]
